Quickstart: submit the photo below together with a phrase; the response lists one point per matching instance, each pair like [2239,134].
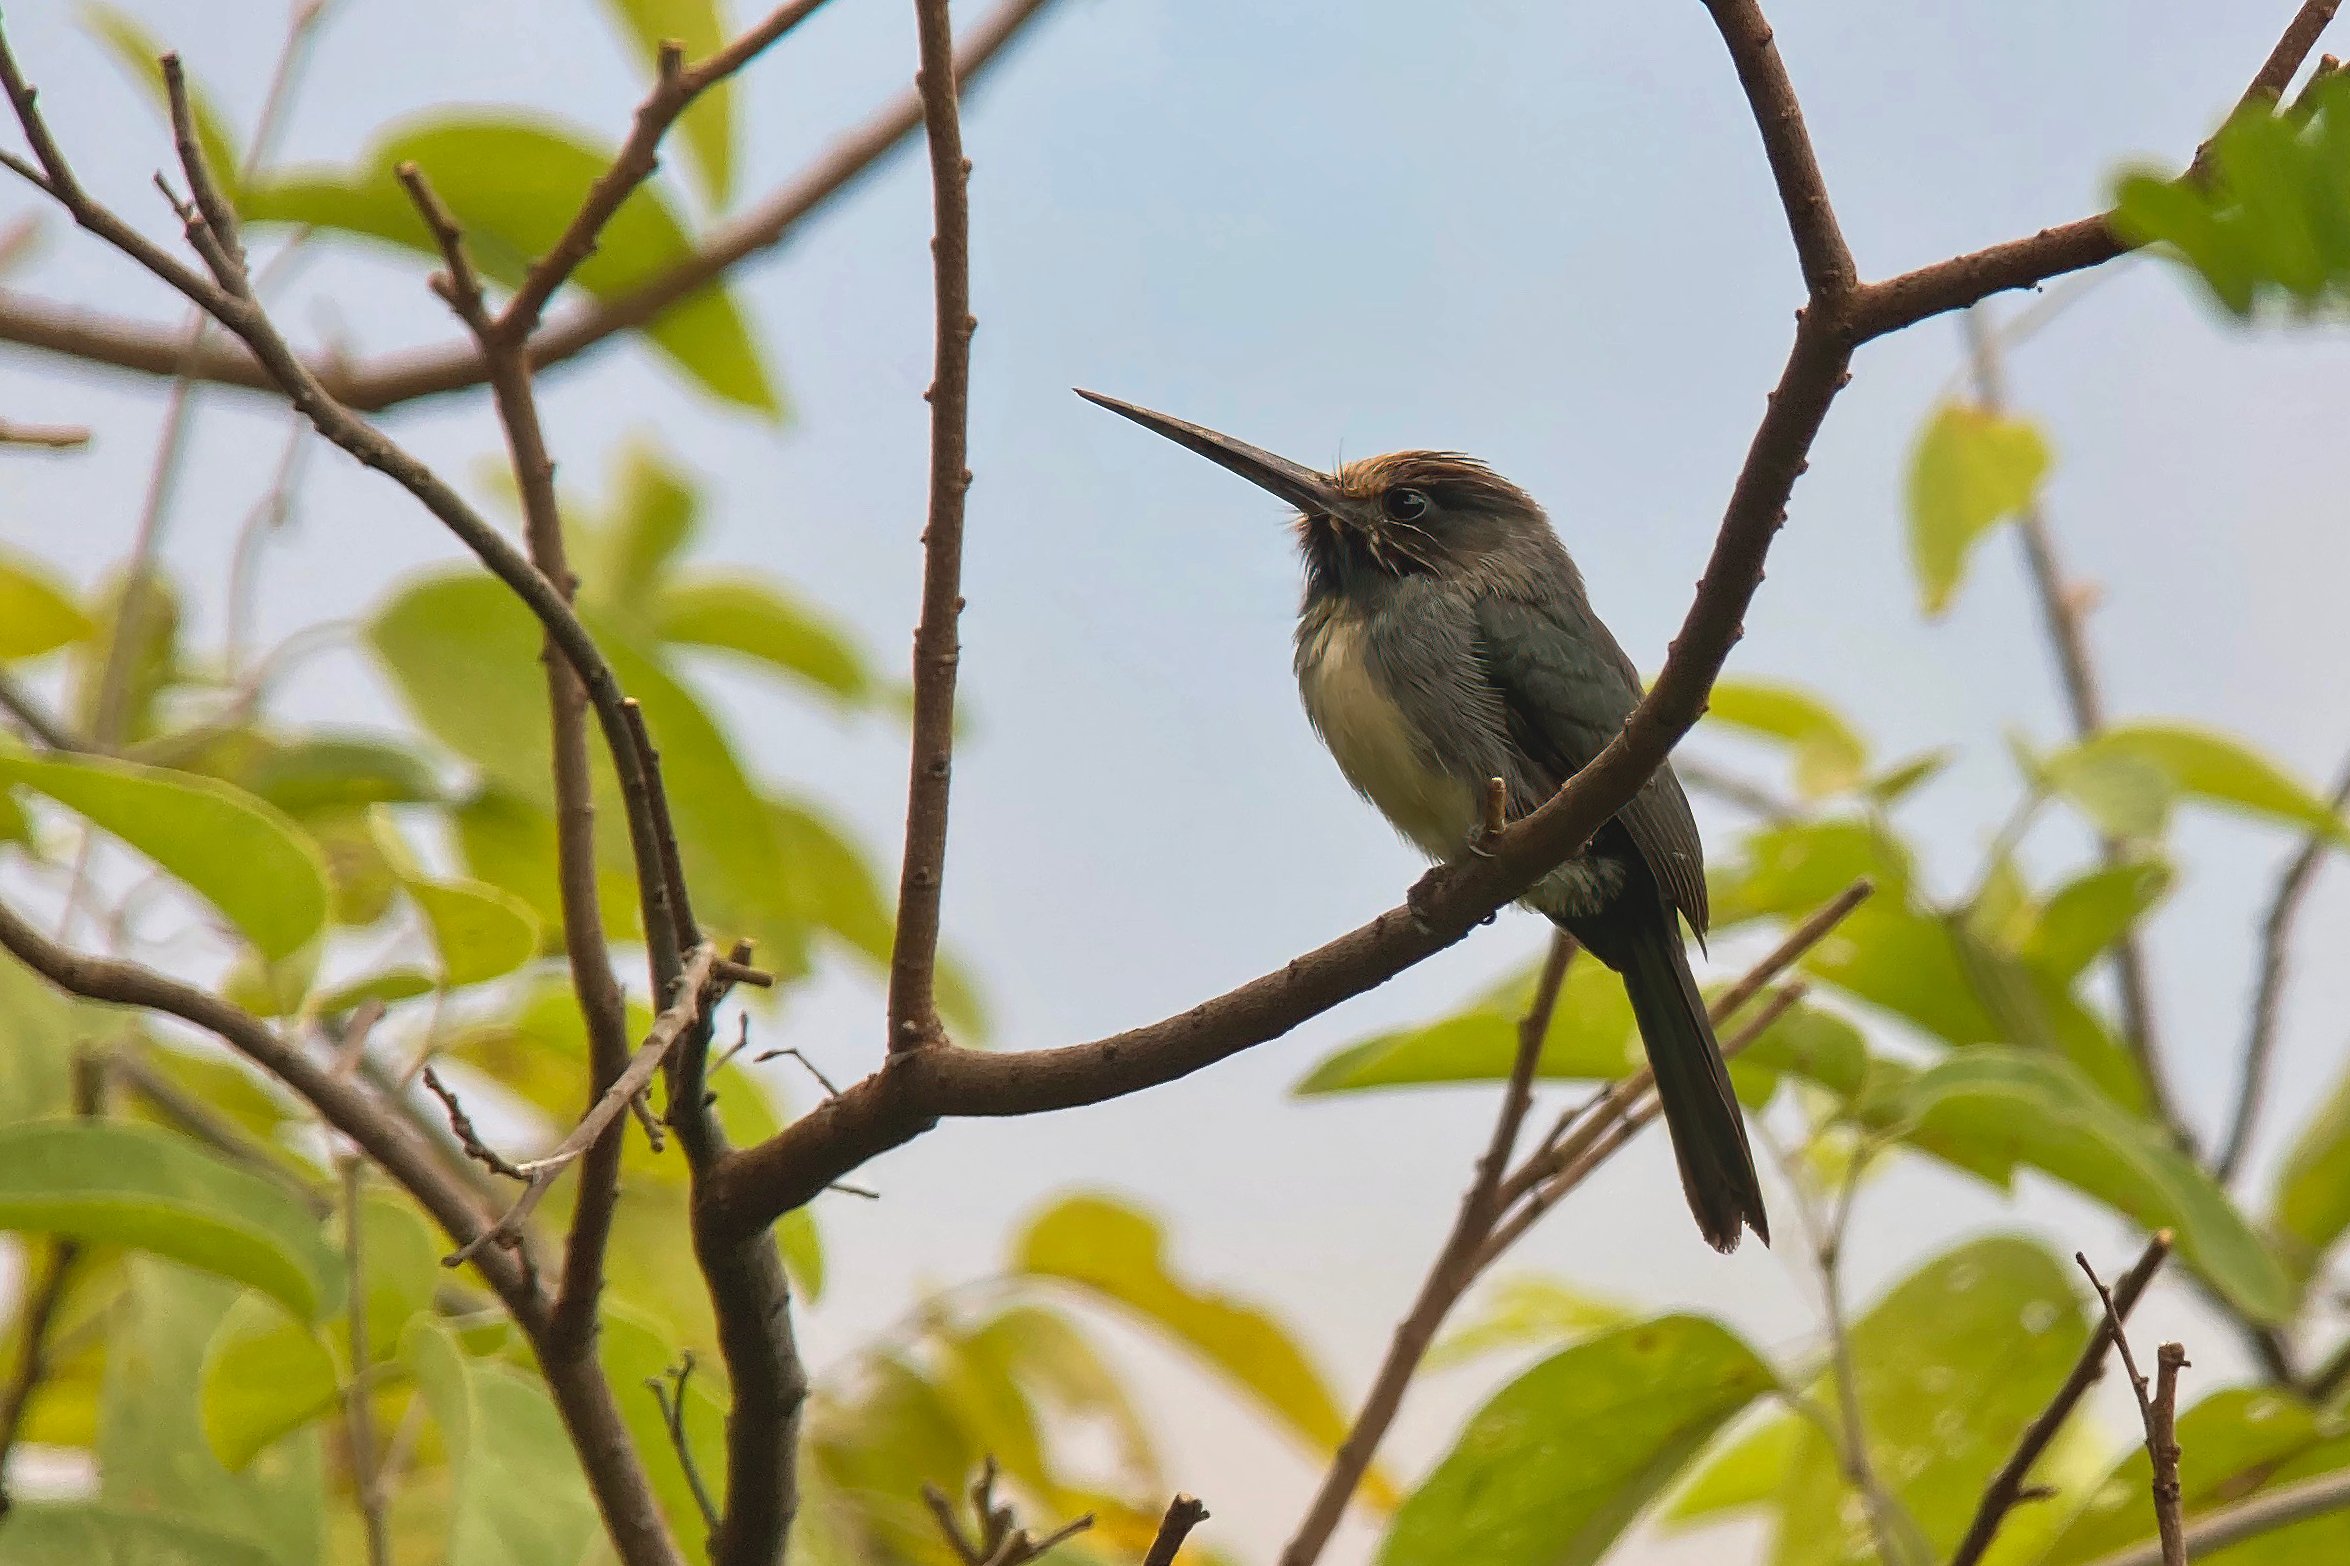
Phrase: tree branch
[2263,1514]
[2159,1413]
[1828,269]
[2276,939]
[1184,1513]
[2007,1486]
[47,437]
[406,376]
[913,962]
[366,1475]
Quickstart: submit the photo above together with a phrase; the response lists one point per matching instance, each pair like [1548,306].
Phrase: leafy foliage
[1971,470]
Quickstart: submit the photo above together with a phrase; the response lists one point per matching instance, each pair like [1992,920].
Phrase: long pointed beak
[1302,487]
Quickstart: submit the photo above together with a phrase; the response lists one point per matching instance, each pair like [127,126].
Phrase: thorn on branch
[813,1069]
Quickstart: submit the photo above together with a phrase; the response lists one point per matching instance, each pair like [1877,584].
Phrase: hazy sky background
[1543,233]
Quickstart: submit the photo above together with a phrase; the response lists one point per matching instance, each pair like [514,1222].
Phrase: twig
[461,1125]
[693,996]
[34,718]
[2276,938]
[1828,270]
[670,1396]
[405,376]
[366,1475]
[1184,1513]
[1449,1276]
[913,1004]
[196,1119]
[2262,1514]
[2162,1448]
[2061,615]
[813,1069]
[999,1541]
[48,437]
[2007,1486]
[1705,778]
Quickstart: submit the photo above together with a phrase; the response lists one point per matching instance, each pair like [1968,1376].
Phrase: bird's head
[1408,513]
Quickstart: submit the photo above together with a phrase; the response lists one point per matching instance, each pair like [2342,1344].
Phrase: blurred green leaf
[1590,1037]
[2206,766]
[139,52]
[624,552]
[79,1533]
[1560,1462]
[264,1377]
[138,1186]
[1829,756]
[707,128]
[152,635]
[2247,1440]
[38,1031]
[509,842]
[1751,1471]
[1791,869]
[2126,797]
[766,623]
[1117,1254]
[244,857]
[1054,1362]
[478,931]
[1898,781]
[36,614]
[1803,1042]
[1970,470]
[152,1456]
[1521,1312]
[1993,1109]
[2088,914]
[513,184]
[1950,1365]
[391,986]
[519,1497]
[328,773]
[2310,1206]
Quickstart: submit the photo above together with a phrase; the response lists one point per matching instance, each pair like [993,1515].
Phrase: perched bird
[1445,640]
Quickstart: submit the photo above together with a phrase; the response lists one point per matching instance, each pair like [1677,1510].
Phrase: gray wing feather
[1567,688]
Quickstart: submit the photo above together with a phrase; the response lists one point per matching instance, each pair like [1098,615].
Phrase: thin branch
[2262,1514]
[1703,777]
[461,1126]
[2158,1410]
[35,719]
[1000,1540]
[2061,610]
[1184,1513]
[673,93]
[2276,939]
[1448,1278]
[47,437]
[194,1118]
[1828,269]
[406,376]
[39,1301]
[669,1394]
[366,1474]
[698,992]
[913,962]
[2007,1486]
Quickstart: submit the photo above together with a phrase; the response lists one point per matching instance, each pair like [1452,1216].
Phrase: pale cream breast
[1373,745]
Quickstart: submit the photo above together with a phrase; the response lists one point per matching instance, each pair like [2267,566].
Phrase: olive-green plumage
[1445,639]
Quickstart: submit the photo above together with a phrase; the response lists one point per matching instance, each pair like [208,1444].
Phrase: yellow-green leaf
[36,614]
[766,623]
[1971,469]
[1590,1037]
[2210,767]
[1521,1312]
[708,126]
[519,1498]
[478,931]
[84,1533]
[139,53]
[135,1185]
[265,1377]
[636,1350]
[1829,756]
[246,858]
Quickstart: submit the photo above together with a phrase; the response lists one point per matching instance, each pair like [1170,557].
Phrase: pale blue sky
[1539,232]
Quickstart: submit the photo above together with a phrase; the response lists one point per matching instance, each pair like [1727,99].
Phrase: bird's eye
[1404,505]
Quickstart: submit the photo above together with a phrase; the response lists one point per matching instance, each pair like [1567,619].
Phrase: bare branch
[406,376]
[670,1395]
[2007,1486]
[461,1126]
[51,437]
[2268,998]
[366,1473]
[2262,1514]
[1184,1513]
[1828,269]
[2159,1412]
[913,1005]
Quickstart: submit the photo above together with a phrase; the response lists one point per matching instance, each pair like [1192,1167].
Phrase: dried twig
[913,1004]
[366,1474]
[2158,1409]
[2007,1487]
[669,1393]
[461,1126]
[46,437]
[999,1540]
[2249,1519]
[1184,1513]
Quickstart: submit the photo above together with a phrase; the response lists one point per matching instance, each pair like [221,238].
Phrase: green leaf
[1590,1037]
[2310,1206]
[708,126]
[1971,469]
[1115,1253]
[2090,913]
[514,184]
[264,1378]
[624,554]
[38,1032]
[2206,766]
[391,986]
[1829,756]
[138,1186]
[478,931]
[1807,1043]
[1750,1472]
[1991,1110]
[1054,1363]
[1521,1312]
[1560,1462]
[36,614]
[518,1497]
[79,1533]
[244,857]
[766,623]
[325,773]
[151,1450]
[139,52]
[1790,870]
[1950,1365]
[803,1252]
[2247,1440]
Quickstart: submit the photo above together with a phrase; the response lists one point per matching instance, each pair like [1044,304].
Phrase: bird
[1445,639]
